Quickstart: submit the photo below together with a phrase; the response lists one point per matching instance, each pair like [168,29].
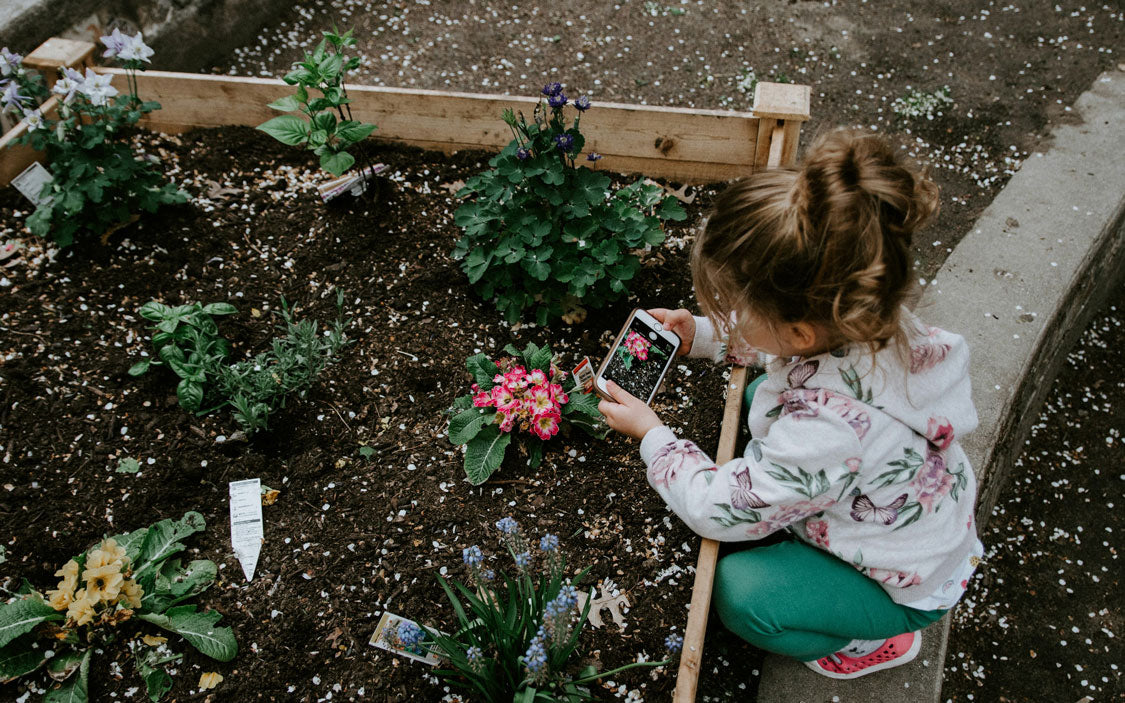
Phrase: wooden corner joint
[782,101]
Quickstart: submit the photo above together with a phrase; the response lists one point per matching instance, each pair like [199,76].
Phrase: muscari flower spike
[582,103]
[523,560]
[535,658]
[507,525]
[549,543]
[409,634]
[472,555]
[674,642]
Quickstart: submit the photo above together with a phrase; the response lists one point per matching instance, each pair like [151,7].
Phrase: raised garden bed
[349,536]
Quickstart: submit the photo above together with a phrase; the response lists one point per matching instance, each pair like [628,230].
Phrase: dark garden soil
[349,536]
[1013,68]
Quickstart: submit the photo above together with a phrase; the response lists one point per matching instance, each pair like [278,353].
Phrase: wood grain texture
[693,146]
[782,101]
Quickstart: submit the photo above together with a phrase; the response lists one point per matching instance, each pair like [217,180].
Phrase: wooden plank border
[680,144]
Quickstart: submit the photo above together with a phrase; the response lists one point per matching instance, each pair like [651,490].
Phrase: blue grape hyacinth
[507,526]
[472,555]
[409,634]
[548,543]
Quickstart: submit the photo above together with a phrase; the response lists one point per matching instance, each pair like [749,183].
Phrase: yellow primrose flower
[81,610]
[69,575]
[103,583]
[60,599]
[131,593]
[108,552]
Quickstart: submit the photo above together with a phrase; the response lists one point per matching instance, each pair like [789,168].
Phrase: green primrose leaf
[483,370]
[21,616]
[18,658]
[484,453]
[464,426]
[76,690]
[287,129]
[199,629]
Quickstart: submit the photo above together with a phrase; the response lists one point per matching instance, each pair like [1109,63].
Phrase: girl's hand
[680,322]
[626,413]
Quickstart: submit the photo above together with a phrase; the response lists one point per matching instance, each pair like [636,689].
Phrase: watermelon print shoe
[896,651]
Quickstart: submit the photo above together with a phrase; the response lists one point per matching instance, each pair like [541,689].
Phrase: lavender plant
[98,180]
[329,130]
[544,234]
[517,635]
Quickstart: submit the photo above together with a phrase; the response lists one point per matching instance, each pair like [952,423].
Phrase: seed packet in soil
[584,375]
[386,637]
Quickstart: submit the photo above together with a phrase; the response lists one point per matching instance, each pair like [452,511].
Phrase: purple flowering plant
[324,122]
[99,182]
[517,636]
[543,234]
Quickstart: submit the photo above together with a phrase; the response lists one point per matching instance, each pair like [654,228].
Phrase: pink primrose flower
[482,400]
[546,425]
[507,421]
[537,377]
[539,400]
[558,395]
[502,395]
[516,378]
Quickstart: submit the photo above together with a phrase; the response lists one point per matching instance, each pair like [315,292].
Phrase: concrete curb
[1020,288]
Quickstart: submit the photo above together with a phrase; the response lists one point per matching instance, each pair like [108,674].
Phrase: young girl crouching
[854,425]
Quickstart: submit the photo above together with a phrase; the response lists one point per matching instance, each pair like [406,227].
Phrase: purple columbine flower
[556,101]
[564,142]
[11,98]
[552,89]
[582,103]
[523,154]
[114,43]
[593,156]
[9,62]
[135,49]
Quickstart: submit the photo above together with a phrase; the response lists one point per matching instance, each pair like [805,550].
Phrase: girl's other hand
[679,321]
[626,413]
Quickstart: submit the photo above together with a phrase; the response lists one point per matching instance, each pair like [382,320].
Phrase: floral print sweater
[855,454]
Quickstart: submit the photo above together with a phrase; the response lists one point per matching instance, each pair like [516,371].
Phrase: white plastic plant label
[31,180]
[246,530]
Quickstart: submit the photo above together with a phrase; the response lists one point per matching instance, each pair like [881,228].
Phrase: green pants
[794,599]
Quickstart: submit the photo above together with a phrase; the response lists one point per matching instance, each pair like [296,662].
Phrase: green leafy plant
[544,234]
[325,123]
[519,392]
[127,577]
[187,340]
[99,183]
[517,635]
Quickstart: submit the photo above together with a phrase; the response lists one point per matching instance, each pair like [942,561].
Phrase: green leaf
[219,309]
[199,629]
[21,616]
[336,163]
[190,393]
[162,540]
[585,403]
[464,426]
[483,370]
[77,689]
[128,465]
[351,131]
[484,453]
[18,658]
[541,359]
[287,129]
[289,103]
[175,583]
[154,311]
[140,367]
[64,665]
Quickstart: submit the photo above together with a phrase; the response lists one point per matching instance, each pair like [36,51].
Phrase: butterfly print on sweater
[863,508]
[741,495]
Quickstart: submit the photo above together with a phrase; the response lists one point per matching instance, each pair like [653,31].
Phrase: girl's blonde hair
[826,243]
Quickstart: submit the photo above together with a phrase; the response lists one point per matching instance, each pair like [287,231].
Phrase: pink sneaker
[894,652]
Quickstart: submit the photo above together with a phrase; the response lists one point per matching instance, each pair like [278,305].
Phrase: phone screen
[639,360]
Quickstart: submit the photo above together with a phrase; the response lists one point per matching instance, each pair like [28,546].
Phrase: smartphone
[639,358]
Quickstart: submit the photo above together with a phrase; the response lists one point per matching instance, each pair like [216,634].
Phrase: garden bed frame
[677,144]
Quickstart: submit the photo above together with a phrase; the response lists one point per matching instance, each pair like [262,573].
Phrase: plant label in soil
[356,183]
[584,375]
[614,603]
[31,180]
[386,637]
[246,530]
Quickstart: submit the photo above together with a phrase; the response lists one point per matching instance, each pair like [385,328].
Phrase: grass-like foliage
[187,340]
[98,180]
[517,636]
[524,392]
[122,579]
[543,235]
[324,122]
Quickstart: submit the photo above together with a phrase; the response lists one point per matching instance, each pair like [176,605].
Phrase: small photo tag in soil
[386,637]
[246,530]
[356,183]
[584,375]
[31,181]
